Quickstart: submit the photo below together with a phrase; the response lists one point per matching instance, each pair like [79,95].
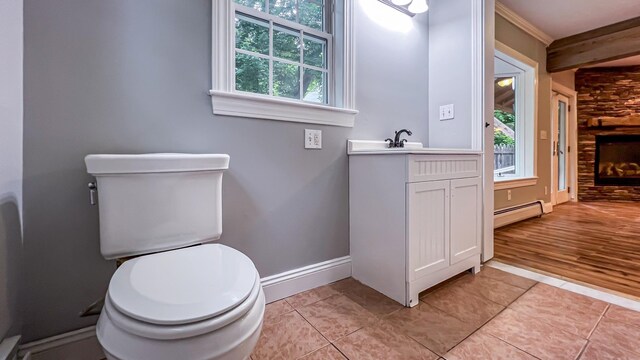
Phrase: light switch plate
[447,112]
[312,139]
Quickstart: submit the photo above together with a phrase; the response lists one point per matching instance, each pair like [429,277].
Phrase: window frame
[526,118]
[340,107]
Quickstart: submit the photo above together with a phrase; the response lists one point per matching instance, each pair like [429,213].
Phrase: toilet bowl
[180,297]
[211,309]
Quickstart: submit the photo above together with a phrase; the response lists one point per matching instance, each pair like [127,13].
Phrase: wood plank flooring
[596,243]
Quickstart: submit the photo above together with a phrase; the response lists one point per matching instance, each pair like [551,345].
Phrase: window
[514,119]
[283,60]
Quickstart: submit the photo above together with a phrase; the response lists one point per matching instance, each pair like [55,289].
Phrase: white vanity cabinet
[415,219]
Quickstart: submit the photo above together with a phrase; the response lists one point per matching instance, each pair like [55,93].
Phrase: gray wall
[10,164]
[125,76]
[450,66]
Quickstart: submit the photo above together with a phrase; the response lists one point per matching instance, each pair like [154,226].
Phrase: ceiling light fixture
[409,7]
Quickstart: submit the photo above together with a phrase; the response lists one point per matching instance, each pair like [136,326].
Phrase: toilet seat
[181,287]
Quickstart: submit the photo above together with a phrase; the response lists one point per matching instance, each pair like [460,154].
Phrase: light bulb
[418,6]
[400,2]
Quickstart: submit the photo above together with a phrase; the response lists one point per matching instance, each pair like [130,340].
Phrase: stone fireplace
[608,134]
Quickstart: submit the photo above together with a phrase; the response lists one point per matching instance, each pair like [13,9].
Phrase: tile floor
[492,315]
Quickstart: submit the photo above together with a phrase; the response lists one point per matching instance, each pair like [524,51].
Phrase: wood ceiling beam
[612,42]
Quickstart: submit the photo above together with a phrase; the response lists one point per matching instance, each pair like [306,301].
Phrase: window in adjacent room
[514,118]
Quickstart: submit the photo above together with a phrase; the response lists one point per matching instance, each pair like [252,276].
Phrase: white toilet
[181,298]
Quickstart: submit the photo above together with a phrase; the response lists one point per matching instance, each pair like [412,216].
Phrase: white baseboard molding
[516,214]
[295,281]
[83,345]
[80,344]
[9,348]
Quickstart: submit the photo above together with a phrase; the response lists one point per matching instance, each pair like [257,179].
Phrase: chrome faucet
[396,142]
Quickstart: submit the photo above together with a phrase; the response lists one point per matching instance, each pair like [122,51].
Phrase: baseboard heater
[517,213]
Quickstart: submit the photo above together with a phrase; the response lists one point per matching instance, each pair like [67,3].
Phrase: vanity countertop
[375,147]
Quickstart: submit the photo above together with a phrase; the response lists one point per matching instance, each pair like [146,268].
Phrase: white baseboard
[510,217]
[295,281]
[9,348]
[83,345]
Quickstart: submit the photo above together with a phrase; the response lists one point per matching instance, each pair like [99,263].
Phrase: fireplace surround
[617,160]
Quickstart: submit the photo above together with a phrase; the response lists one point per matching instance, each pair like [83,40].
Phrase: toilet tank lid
[154,163]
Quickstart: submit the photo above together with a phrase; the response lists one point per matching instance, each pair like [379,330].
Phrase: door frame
[572,130]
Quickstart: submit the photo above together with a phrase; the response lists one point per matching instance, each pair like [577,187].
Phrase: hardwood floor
[595,243]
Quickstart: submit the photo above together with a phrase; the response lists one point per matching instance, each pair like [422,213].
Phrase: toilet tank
[155,202]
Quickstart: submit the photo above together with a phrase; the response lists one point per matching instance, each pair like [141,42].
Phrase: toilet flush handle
[92,192]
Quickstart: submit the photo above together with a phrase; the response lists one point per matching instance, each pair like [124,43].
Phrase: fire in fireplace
[617,160]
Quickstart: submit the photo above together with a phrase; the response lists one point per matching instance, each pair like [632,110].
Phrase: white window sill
[262,107]
[510,183]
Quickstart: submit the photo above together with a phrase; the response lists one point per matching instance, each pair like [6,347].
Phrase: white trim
[573,136]
[547,208]
[9,348]
[489,67]
[271,108]
[477,75]
[226,101]
[523,24]
[506,183]
[569,286]
[80,344]
[295,281]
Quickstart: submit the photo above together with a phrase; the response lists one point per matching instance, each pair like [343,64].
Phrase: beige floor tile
[599,351]
[463,305]
[337,316]
[623,315]
[562,309]
[381,341]
[506,277]
[482,346]
[491,289]
[377,303]
[309,297]
[326,353]
[344,285]
[617,335]
[274,310]
[288,337]
[431,327]
[534,336]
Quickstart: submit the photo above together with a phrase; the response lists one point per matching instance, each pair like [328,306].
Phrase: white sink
[377,147]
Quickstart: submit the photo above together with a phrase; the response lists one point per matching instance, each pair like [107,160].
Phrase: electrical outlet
[543,135]
[509,195]
[546,190]
[447,112]
[312,139]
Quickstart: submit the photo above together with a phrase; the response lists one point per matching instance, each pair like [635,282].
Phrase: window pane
[286,80]
[256,4]
[252,34]
[315,51]
[286,43]
[315,88]
[312,13]
[252,74]
[505,126]
[285,9]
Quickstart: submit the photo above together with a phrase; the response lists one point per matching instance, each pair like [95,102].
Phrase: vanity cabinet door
[428,227]
[466,220]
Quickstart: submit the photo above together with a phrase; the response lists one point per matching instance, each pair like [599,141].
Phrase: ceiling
[561,18]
